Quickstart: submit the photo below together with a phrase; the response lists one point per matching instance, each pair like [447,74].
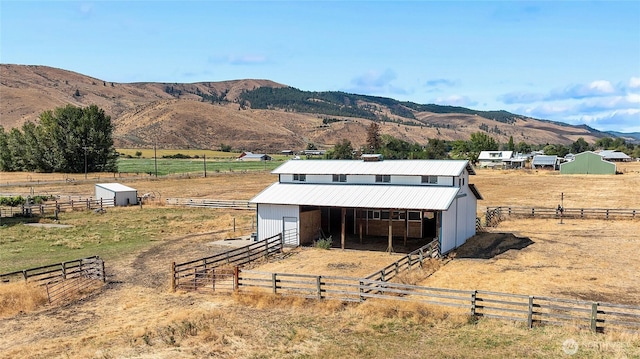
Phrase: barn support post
[406,227]
[360,221]
[343,228]
[390,245]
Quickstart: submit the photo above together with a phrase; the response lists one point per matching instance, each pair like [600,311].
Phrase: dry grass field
[135,315]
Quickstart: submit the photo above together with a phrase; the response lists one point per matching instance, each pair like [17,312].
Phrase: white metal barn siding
[271,221]
[121,194]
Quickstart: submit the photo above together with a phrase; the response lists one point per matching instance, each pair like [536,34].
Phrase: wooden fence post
[361,284]
[173,276]
[236,278]
[273,283]
[64,270]
[473,303]
[530,313]
[319,286]
[25,275]
[104,275]
[594,314]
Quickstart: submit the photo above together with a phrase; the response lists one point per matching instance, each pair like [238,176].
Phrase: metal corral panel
[358,196]
[388,167]
[588,163]
[121,194]
[270,219]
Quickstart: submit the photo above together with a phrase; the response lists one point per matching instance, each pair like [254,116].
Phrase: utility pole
[85,161]
[155,158]
[205,165]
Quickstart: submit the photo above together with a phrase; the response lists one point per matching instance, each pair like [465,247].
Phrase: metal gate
[290,231]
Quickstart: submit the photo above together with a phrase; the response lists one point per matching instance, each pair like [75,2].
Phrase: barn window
[414,215]
[383,178]
[373,214]
[430,179]
[300,177]
[340,178]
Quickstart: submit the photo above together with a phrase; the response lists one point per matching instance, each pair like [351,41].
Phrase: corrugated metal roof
[358,196]
[495,155]
[386,167]
[613,154]
[543,160]
[115,187]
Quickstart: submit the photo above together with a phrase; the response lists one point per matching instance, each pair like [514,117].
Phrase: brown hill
[192,115]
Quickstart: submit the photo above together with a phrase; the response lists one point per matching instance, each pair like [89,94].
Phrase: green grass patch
[117,233]
[166,166]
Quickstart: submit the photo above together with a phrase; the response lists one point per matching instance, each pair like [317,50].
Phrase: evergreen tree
[374,142]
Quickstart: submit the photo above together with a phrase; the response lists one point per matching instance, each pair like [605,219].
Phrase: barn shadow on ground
[489,245]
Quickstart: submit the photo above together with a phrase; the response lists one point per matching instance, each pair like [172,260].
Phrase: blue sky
[571,61]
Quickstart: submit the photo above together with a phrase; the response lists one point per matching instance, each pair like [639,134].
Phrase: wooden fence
[210,203]
[63,281]
[29,210]
[495,214]
[598,317]
[216,272]
[415,258]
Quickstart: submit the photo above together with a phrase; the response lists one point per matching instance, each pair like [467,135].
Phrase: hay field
[135,316]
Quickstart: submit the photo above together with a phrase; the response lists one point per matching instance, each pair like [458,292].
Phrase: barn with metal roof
[418,199]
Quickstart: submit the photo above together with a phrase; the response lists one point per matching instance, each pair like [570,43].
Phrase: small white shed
[119,193]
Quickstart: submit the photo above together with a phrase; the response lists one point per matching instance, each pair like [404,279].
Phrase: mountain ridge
[208,114]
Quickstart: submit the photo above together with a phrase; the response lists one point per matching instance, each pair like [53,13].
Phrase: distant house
[544,161]
[120,194]
[495,159]
[314,152]
[250,156]
[501,159]
[588,163]
[613,155]
[287,152]
[421,199]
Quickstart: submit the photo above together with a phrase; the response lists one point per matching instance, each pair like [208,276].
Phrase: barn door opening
[290,231]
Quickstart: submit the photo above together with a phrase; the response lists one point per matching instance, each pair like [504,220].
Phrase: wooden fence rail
[415,258]
[598,317]
[210,203]
[204,271]
[495,214]
[57,206]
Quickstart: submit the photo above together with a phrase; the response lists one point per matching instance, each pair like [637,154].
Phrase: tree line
[67,139]
[394,148]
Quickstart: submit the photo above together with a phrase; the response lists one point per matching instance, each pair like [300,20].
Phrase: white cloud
[455,100]
[634,82]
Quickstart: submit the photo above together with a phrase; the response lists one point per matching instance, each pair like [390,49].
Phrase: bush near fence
[63,281]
